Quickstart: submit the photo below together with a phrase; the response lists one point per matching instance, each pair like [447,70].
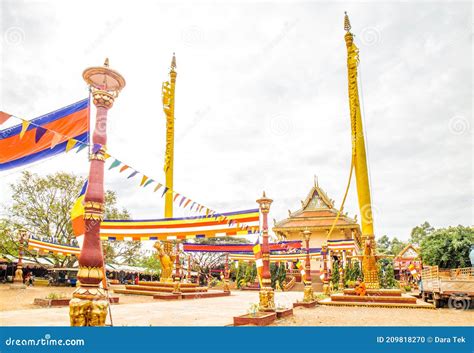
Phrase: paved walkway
[199,312]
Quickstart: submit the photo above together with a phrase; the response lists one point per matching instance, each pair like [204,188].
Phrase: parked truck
[452,287]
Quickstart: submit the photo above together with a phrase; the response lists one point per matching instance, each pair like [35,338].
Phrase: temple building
[317,214]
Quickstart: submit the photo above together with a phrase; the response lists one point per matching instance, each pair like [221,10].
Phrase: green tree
[448,247]
[42,206]
[383,244]
[335,274]
[396,246]
[151,264]
[420,232]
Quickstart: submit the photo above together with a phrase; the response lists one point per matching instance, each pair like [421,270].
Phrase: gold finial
[347,23]
[264,196]
[173,62]
[106,62]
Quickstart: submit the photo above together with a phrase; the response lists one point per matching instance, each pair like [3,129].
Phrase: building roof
[408,252]
[317,212]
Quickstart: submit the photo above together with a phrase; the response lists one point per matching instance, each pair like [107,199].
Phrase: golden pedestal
[88,312]
[308,293]
[267,299]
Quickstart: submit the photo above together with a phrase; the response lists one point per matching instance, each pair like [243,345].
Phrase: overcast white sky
[261,101]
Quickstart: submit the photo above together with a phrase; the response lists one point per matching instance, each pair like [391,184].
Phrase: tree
[42,205]
[420,232]
[396,246]
[151,264]
[448,247]
[383,244]
[335,274]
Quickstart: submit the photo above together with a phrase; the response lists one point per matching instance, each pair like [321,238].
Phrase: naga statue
[369,265]
[166,257]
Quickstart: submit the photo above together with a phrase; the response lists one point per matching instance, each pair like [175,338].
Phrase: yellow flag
[24,126]
[70,144]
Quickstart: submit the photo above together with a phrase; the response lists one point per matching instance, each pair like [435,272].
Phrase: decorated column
[18,279]
[177,274]
[267,300]
[308,288]
[226,274]
[325,279]
[89,304]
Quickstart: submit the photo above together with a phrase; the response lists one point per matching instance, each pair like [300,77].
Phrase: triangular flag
[4,117]
[175,197]
[106,155]
[187,203]
[70,144]
[124,168]
[40,131]
[144,179]
[114,164]
[133,174]
[96,148]
[157,187]
[182,200]
[192,206]
[164,191]
[148,182]
[24,126]
[55,140]
[81,147]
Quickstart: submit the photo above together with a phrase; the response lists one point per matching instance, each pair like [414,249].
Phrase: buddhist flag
[4,117]
[24,127]
[257,252]
[77,215]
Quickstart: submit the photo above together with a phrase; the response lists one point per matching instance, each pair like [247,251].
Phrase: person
[360,288]
[136,279]
[31,280]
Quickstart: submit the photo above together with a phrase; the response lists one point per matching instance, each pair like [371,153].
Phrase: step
[165,289]
[165,284]
[374,299]
[417,305]
[376,292]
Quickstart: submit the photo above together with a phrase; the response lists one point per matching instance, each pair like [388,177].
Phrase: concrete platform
[405,299]
[378,304]
[376,292]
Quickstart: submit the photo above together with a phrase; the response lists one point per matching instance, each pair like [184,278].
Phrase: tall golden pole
[168,107]
[360,161]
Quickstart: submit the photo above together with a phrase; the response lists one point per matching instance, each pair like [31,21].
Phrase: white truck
[454,287]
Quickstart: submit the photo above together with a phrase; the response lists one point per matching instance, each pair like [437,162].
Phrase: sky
[261,100]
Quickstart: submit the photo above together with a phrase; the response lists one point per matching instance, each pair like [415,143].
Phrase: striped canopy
[52,248]
[218,225]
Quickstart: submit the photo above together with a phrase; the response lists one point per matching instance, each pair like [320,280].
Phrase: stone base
[281,313]
[17,286]
[380,304]
[310,304]
[257,319]
[405,299]
[174,296]
[64,302]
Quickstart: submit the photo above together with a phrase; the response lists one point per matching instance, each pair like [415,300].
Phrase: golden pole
[168,107]
[358,143]
[360,162]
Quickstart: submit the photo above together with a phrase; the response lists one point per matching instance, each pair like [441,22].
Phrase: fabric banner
[182,228]
[39,137]
[48,247]
[239,248]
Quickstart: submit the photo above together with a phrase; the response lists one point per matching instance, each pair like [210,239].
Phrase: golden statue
[166,257]
[267,300]
[88,312]
[369,265]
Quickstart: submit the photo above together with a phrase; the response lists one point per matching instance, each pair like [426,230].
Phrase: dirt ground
[21,299]
[363,316]
[16,307]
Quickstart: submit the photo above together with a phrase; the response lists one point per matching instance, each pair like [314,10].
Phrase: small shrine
[407,263]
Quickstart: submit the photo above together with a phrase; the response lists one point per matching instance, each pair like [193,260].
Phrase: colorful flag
[77,215]
[20,146]
[4,117]
[257,252]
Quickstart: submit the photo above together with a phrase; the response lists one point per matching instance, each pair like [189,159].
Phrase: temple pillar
[89,304]
[266,295]
[308,287]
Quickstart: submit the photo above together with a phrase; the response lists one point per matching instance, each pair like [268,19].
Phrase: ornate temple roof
[408,252]
[317,212]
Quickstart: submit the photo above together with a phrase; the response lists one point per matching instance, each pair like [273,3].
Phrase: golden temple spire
[347,23]
[173,62]
[106,62]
